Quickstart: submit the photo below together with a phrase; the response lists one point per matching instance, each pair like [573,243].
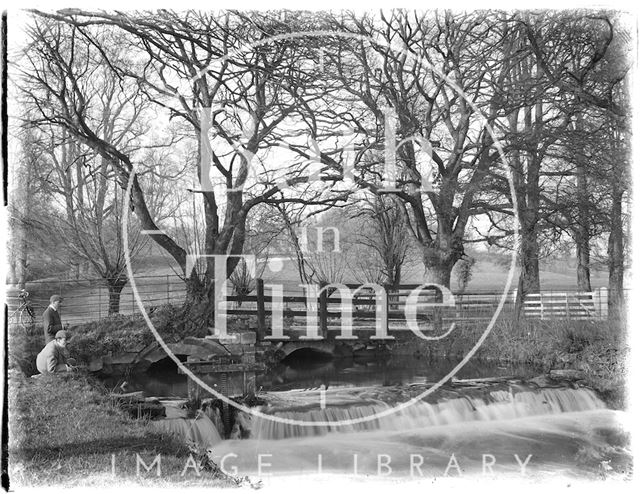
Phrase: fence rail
[88,300]
[563,305]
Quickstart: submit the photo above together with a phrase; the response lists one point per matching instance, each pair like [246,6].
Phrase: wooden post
[226,416]
[386,289]
[437,311]
[322,310]
[262,325]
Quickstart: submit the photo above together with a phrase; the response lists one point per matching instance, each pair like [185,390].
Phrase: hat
[61,334]
[55,298]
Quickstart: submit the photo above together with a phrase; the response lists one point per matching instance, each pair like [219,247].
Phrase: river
[164,380]
[512,428]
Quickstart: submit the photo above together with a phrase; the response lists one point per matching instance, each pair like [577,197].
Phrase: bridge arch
[323,347]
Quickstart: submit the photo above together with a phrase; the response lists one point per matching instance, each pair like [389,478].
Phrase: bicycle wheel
[26,319]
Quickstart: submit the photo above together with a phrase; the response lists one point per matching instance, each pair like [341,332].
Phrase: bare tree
[250,95]
[90,219]
[530,76]
[375,76]
[383,232]
[20,210]
[559,77]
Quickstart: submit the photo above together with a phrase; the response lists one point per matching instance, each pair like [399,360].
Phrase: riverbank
[66,432]
[63,431]
[596,350]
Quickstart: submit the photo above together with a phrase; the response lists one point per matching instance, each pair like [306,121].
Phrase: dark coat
[51,323]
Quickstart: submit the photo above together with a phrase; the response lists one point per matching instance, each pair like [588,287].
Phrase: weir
[492,414]
[518,428]
[512,424]
[345,405]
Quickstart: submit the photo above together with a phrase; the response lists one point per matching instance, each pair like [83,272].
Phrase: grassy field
[158,284]
[488,274]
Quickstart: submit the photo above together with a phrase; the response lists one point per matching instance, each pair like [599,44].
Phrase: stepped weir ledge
[506,423]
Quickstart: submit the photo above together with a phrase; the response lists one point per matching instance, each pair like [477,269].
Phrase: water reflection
[164,380]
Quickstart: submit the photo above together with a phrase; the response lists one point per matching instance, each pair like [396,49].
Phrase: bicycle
[24,314]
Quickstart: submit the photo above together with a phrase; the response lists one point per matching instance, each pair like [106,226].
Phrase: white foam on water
[201,431]
[494,405]
[552,442]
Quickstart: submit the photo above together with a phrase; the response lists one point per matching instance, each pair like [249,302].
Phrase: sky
[330,4]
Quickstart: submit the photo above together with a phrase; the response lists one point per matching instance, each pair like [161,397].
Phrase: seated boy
[54,357]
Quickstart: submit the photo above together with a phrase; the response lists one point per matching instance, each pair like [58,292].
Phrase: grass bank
[112,335]
[64,431]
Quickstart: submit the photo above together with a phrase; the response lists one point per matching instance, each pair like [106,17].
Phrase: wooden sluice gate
[231,375]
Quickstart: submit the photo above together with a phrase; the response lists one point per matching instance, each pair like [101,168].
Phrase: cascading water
[515,430]
[346,405]
[200,430]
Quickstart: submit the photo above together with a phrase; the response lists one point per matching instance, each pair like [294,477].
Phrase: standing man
[51,318]
[53,357]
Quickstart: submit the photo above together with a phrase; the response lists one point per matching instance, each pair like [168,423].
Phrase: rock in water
[570,374]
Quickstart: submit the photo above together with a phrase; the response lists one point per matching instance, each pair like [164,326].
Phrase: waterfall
[201,430]
[488,406]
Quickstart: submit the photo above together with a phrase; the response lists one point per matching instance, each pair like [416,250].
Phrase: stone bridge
[140,359]
[287,348]
[206,349]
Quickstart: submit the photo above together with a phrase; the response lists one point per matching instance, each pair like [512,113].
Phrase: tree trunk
[529,279]
[440,259]
[582,236]
[196,290]
[25,200]
[115,289]
[391,283]
[529,262]
[393,280]
[583,254]
[439,273]
[23,262]
[526,162]
[616,259]
[438,270]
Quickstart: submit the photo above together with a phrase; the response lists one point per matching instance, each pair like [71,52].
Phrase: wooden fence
[86,300]
[329,307]
[469,307]
[563,305]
